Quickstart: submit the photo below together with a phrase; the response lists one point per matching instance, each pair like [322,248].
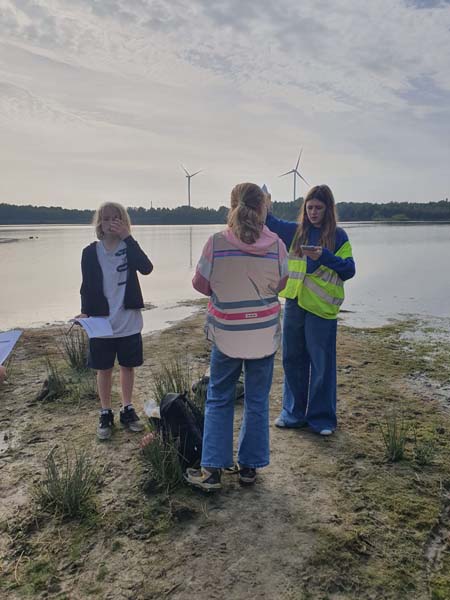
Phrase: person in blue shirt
[320,260]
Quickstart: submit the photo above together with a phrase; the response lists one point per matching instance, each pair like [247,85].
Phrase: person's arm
[284,229]
[201,279]
[136,257]
[344,265]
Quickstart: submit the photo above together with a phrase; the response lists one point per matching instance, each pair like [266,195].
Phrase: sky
[105,99]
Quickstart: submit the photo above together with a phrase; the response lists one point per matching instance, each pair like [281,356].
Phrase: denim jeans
[309,362]
[253,450]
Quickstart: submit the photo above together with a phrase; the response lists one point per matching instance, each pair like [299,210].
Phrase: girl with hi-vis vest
[320,260]
[241,269]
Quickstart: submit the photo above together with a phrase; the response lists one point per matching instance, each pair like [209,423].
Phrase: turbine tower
[189,177]
[296,173]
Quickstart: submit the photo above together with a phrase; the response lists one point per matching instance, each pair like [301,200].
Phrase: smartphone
[305,247]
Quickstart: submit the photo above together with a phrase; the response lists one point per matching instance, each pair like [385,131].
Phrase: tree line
[12,214]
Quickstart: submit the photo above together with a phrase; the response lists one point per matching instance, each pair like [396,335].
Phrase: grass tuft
[173,377]
[394,431]
[75,347]
[424,450]
[85,388]
[68,486]
[162,459]
[54,386]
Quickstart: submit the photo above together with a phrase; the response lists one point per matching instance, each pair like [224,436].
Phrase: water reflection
[400,269]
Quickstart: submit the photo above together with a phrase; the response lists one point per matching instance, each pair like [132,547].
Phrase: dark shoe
[105,425]
[233,470]
[204,479]
[247,475]
[130,420]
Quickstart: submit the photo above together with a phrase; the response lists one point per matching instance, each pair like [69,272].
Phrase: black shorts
[103,351]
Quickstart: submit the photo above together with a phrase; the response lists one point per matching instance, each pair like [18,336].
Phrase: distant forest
[12,214]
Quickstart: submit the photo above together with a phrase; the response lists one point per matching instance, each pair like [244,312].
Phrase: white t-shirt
[115,271]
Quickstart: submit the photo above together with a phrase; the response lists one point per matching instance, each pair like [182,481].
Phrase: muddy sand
[330,518]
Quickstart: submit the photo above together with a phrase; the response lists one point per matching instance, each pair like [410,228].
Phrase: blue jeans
[253,448]
[309,362]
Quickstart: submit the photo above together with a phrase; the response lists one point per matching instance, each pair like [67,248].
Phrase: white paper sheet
[96,326]
[8,340]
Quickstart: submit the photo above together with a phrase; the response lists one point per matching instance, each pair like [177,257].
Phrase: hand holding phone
[312,252]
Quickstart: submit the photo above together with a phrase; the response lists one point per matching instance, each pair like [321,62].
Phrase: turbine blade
[185,170]
[301,177]
[196,173]
[298,162]
[287,173]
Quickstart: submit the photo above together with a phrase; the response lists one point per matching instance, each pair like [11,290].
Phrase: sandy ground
[328,519]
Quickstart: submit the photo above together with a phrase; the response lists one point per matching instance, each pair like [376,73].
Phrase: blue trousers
[253,448]
[309,362]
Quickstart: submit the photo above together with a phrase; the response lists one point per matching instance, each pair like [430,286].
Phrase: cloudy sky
[103,99]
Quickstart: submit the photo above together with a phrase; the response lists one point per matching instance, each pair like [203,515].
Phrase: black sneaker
[130,420]
[233,470]
[247,475]
[105,425]
[204,479]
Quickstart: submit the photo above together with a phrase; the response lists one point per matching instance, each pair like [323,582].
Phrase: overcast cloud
[103,99]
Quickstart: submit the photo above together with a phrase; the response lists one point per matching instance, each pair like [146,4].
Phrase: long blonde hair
[97,220]
[328,227]
[247,212]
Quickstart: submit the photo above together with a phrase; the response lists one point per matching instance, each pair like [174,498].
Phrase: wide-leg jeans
[309,362]
[253,449]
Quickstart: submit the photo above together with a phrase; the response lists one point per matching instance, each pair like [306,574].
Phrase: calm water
[401,269]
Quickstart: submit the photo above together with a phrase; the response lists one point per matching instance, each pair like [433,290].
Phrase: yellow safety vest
[320,292]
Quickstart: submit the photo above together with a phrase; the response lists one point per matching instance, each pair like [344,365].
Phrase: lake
[401,270]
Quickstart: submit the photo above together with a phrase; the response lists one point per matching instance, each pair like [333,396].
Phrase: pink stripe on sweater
[256,314]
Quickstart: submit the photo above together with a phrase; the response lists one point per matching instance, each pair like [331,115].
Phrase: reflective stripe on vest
[320,292]
[243,311]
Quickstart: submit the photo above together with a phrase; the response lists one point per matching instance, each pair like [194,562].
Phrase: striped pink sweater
[242,281]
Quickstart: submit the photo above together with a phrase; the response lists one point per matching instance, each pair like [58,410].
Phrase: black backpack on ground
[182,422]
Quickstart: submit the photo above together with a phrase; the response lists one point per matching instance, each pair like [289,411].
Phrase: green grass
[394,431]
[75,347]
[162,460]
[68,486]
[174,377]
[55,385]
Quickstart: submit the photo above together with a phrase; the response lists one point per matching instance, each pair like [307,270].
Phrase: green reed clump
[85,389]
[424,449]
[173,377]
[55,385]
[75,346]
[162,458]
[199,393]
[394,432]
[68,486]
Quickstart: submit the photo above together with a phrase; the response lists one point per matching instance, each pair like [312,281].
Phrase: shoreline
[366,527]
[184,309]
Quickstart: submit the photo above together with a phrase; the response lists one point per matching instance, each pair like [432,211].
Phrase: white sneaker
[279,422]
[326,432]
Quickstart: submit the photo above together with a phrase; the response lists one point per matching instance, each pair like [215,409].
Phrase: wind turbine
[189,177]
[296,172]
